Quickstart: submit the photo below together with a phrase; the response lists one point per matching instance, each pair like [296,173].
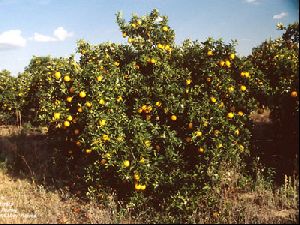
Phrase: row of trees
[159,123]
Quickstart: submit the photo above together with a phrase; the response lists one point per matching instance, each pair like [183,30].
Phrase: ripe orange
[82,94]
[136,176]
[228,63]
[173,117]
[105,137]
[188,81]
[102,123]
[57,116]
[243,88]
[201,150]
[57,75]
[69,99]
[99,78]
[88,104]
[294,94]
[222,63]
[231,89]
[126,163]
[230,115]
[158,104]
[153,61]
[198,133]
[67,78]
[213,99]
[210,53]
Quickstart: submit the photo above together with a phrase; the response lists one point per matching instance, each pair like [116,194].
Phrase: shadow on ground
[275,152]
[29,155]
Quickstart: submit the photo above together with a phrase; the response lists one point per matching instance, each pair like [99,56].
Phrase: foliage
[155,122]
[279,62]
[8,97]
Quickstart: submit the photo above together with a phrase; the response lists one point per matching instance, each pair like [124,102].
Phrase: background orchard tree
[279,62]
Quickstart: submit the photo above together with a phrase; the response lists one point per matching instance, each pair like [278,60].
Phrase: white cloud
[61,34]
[280,15]
[43,38]
[12,39]
[255,2]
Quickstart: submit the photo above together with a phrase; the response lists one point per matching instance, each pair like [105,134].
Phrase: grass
[21,201]
[39,190]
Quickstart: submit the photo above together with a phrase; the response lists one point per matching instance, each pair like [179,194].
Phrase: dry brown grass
[9,130]
[260,206]
[24,202]
[261,116]
[33,185]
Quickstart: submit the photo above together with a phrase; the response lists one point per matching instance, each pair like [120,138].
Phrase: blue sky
[52,27]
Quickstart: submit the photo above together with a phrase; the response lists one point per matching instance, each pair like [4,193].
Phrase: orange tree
[279,62]
[160,123]
[8,97]
[42,88]
[156,122]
